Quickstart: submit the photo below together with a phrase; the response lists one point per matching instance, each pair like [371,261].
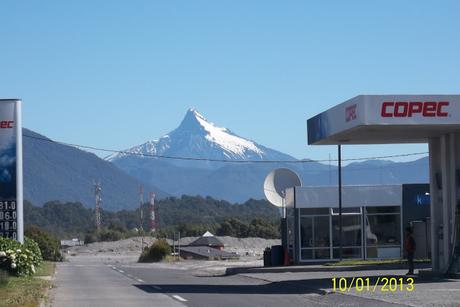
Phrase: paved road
[427,291]
[97,284]
[235,290]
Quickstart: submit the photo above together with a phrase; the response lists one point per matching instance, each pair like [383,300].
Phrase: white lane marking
[156,287]
[81,265]
[129,275]
[120,271]
[179,298]
[139,280]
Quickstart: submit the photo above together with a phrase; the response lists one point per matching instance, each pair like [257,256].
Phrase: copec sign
[380,110]
[408,109]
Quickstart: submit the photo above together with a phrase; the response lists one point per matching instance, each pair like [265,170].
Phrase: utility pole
[339,148]
[152,213]
[141,215]
[97,209]
[178,254]
[174,246]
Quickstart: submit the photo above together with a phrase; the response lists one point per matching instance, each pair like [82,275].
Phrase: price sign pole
[11,182]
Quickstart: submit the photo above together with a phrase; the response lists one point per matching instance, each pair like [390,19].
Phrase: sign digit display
[11,217]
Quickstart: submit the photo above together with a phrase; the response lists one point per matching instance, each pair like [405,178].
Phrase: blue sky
[118,73]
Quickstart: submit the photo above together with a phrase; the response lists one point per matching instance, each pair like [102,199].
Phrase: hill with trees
[190,215]
[54,171]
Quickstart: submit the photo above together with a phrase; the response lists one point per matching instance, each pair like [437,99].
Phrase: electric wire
[125,152]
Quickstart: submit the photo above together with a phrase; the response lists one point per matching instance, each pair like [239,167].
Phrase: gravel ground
[128,250]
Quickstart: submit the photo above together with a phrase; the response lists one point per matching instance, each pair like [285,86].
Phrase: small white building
[373,221]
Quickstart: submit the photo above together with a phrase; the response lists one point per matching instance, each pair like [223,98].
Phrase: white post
[435,201]
[445,168]
[19,179]
[444,197]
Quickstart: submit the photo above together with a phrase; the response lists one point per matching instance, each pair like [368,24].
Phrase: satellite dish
[276,182]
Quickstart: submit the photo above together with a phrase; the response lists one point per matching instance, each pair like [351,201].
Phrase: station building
[373,221]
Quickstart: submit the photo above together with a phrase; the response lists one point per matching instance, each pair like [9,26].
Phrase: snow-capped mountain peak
[222,137]
[197,137]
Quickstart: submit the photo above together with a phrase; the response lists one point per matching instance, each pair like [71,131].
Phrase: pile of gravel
[252,247]
[241,246]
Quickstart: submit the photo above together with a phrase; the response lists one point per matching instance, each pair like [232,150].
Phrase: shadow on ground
[323,268]
[305,286]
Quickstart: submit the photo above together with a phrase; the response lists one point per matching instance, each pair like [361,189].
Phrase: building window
[314,237]
[374,232]
[306,232]
[387,209]
[335,211]
[347,252]
[383,232]
[351,236]
[314,211]
[306,254]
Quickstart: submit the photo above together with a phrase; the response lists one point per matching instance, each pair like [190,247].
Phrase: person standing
[410,247]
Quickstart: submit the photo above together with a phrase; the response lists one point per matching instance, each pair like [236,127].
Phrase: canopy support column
[444,156]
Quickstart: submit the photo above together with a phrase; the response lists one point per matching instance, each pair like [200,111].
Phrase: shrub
[49,245]
[90,237]
[19,259]
[104,235]
[110,235]
[156,252]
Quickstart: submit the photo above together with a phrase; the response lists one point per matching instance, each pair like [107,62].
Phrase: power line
[217,160]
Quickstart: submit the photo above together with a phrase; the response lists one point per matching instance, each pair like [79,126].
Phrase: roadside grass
[26,291]
[171,259]
[374,262]
[46,269]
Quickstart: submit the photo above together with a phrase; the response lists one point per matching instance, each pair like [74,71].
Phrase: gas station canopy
[381,119]
[432,119]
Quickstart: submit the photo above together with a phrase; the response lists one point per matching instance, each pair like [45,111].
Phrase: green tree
[156,252]
[49,245]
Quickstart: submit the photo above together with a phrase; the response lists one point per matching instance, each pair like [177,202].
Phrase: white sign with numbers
[11,211]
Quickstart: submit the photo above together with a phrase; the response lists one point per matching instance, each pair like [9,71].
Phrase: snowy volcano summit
[196,137]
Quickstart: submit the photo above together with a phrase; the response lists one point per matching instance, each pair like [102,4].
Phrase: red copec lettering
[5,124]
[409,109]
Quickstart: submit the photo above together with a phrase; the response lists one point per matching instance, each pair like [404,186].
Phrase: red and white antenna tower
[152,212]
[97,211]
[141,211]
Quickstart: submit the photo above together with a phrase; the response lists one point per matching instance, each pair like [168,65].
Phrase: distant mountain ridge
[198,138]
[58,172]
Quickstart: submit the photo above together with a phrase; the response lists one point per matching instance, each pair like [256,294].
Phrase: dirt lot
[250,250]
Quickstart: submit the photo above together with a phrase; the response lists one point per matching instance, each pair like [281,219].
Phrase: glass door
[306,237]
[321,237]
[351,236]
[314,237]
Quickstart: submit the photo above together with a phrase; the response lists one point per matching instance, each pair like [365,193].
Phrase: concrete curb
[319,291]
[322,268]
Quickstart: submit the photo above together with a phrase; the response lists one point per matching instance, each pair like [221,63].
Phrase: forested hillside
[54,171]
[191,215]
